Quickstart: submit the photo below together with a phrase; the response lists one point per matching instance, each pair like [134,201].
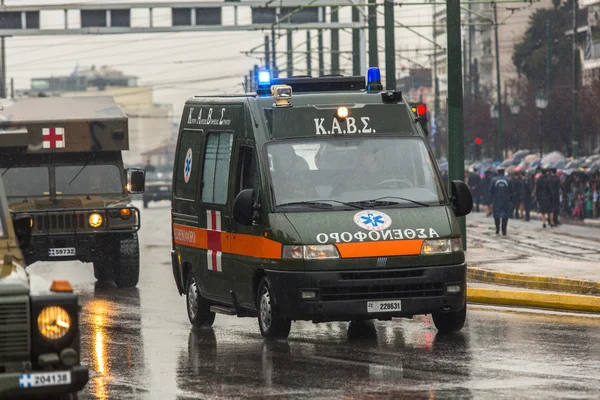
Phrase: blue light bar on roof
[374,80]
[264,77]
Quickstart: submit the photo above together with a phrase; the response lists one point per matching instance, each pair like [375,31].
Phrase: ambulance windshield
[88,179]
[354,170]
[25,181]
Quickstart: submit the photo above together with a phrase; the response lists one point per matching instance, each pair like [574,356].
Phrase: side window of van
[188,165]
[217,159]
[248,177]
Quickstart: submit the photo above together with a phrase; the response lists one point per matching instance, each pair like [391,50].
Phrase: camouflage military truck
[39,329]
[61,163]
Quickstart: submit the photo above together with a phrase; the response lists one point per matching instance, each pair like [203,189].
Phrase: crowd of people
[516,194]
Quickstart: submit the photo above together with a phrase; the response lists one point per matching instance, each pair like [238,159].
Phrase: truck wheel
[127,272]
[272,324]
[104,269]
[146,203]
[451,321]
[198,309]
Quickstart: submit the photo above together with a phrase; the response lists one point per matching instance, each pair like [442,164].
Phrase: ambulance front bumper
[355,294]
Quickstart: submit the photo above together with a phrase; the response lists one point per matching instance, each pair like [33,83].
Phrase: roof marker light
[374,80]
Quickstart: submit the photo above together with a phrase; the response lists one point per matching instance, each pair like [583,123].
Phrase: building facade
[591,62]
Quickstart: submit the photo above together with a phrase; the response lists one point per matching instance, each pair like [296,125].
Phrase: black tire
[272,325]
[450,322]
[198,309]
[127,272]
[104,269]
[146,203]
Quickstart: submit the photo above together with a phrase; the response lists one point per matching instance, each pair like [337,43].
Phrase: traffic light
[420,110]
[477,141]
[477,148]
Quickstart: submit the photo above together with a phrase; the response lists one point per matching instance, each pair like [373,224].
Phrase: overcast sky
[170,60]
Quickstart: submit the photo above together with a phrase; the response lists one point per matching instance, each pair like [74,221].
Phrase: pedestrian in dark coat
[527,195]
[501,195]
[554,187]
[517,200]
[484,189]
[474,181]
[543,197]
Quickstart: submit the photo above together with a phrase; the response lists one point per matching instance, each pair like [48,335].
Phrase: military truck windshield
[88,179]
[25,181]
[373,171]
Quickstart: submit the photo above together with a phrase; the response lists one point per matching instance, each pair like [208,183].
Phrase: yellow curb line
[559,301]
[577,286]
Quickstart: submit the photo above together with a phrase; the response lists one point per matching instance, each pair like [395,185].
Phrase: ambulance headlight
[310,252]
[441,246]
[95,220]
[342,112]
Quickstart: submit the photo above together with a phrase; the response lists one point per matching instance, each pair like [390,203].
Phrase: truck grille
[14,328]
[59,222]
[375,292]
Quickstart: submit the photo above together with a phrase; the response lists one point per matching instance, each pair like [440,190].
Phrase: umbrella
[530,158]
[519,155]
[552,157]
[595,167]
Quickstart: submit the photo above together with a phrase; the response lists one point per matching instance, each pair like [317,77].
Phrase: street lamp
[495,114]
[541,102]
[515,109]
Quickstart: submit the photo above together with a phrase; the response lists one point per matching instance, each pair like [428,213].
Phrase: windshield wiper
[6,170]
[322,202]
[380,201]
[314,204]
[77,174]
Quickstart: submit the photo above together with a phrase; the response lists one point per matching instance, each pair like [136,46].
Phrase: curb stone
[577,286]
[559,301]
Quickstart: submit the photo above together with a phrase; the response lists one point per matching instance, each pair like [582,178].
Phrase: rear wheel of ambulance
[127,272]
[272,324]
[198,308]
[451,321]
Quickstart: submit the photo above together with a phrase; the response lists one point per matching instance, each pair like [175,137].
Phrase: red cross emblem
[213,225]
[54,138]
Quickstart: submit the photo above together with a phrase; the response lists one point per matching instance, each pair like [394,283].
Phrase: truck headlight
[54,323]
[95,220]
[441,246]
[310,252]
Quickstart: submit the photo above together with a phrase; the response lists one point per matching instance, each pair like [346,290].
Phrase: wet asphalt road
[139,345]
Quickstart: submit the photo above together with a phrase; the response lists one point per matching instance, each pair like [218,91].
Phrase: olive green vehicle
[314,199]
[61,162]
[39,329]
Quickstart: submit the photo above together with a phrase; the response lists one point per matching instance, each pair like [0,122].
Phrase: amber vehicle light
[125,213]
[54,323]
[95,220]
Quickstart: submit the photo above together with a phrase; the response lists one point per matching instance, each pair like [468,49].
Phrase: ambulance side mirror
[462,200]
[243,207]
[138,181]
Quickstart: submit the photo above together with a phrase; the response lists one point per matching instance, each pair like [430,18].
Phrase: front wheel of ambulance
[451,321]
[198,308]
[272,324]
[127,273]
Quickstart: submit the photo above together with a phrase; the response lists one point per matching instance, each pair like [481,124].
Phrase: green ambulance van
[314,199]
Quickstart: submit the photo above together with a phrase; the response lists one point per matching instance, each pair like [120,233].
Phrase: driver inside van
[367,174]
[289,175]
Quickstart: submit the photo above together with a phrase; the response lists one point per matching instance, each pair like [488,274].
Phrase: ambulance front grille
[382,292]
[14,328]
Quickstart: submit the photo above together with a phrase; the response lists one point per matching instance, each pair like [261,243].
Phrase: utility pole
[274,71]
[335,42]
[355,44]
[290,55]
[499,94]
[548,56]
[267,52]
[436,92]
[464,64]
[3,64]
[469,65]
[456,156]
[373,49]
[390,46]
[575,82]
[321,59]
[308,55]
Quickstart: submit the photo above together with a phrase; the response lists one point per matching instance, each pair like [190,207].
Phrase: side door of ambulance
[214,215]
[245,240]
